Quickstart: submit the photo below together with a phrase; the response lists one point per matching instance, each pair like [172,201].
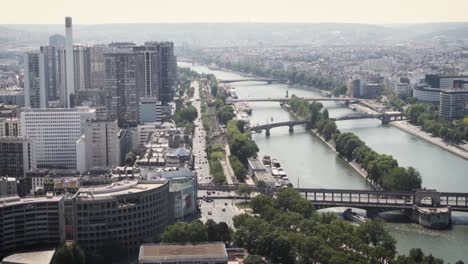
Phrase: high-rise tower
[69,61]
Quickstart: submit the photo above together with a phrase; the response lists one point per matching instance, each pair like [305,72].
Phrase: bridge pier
[267,132]
[291,129]
[385,119]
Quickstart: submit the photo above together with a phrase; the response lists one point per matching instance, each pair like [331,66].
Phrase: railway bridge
[427,207]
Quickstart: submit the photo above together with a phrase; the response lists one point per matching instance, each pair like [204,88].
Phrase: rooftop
[36,257]
[150,253]
[16,200]
[115,189]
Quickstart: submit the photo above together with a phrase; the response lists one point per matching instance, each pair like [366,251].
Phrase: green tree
[239,169]
[329,129]
[225,114]
[325,114]
[244,190]
[69,253]
[254,259]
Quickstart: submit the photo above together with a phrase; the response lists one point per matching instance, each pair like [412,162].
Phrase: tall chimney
[70,73]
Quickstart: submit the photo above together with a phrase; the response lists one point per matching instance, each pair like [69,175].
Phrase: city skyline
[295,11]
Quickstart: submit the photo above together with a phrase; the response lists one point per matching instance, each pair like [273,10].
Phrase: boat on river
[353,216]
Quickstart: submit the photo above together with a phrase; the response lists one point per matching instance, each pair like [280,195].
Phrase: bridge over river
[384,117]
[285,100]
[267,80]
[427,207]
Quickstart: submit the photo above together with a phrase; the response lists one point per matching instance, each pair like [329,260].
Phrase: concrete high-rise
[54,133]
[167,70]
[82,68]
[97,67]
[70,82]
[101,145]
[121,87]
[62,77]
[35,95]
[16,156]
[50,71]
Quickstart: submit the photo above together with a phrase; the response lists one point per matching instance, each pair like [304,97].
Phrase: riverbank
[459,150]
[417,131]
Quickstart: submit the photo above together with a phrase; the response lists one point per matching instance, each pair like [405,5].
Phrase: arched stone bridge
[386,117]
[267,127]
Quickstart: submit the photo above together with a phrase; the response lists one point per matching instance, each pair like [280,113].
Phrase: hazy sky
[132,11]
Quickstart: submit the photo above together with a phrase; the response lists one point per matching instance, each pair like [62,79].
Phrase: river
[311,164]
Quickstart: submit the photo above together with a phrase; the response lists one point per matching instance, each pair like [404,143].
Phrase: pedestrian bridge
[376,201]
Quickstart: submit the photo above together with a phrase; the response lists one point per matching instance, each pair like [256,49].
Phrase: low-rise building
[203,253]
[426,94]
[259,171]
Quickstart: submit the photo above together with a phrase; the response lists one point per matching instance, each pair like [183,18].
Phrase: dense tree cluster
[287,230]
[196,232]
[185,114]
[240,143]
[242,147]
[239,169]
[382,169]
[216,154]
[184,78]
[427,117]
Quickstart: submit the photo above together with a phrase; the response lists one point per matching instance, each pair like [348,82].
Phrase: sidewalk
[228,164]
[459,150]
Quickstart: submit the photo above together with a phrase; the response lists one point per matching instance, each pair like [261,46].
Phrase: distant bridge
[267,80]
[386,117]
[267,127]
[376,201]
[285,100]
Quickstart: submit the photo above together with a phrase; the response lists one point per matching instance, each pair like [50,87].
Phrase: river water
[311,164]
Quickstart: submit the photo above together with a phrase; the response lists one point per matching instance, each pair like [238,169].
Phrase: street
[202,167]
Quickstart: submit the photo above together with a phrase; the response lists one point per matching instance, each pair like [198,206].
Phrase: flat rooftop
[173,252]
[256,164]
[36,257]
[16,200]
[116,189]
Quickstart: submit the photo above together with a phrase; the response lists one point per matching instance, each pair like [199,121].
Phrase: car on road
[224,209]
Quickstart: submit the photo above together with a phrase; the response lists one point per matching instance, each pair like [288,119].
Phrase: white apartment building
[54,133]
[99,147]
